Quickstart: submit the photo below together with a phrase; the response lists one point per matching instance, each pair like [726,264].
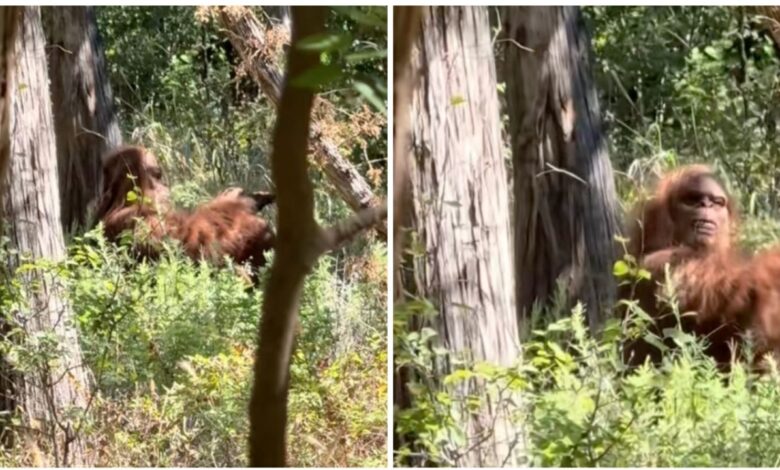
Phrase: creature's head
[689,207]
[126,169]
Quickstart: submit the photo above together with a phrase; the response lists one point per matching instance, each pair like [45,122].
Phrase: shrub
[577,404]
[171,345]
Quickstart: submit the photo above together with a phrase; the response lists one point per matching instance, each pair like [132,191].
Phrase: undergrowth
[571,401]
[574,403]
[171,346]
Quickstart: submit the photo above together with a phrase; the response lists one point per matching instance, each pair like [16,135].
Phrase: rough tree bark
[9,22]
[406,28]
[769,19]
[84,120]
[300,242]
[10,17]
[461,212]
[247,36]
[31,210]
[565,203]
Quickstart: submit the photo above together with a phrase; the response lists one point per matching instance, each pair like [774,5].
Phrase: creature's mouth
[705,228]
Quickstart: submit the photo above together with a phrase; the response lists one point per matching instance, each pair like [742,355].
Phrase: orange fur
[226,226]
[764,273]
[716,282]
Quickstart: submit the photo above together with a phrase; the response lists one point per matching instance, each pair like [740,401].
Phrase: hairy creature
[134,200]
[690,225]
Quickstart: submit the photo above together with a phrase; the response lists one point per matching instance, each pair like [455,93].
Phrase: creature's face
[131,169]
[152,184]
[135,169]
[701,214]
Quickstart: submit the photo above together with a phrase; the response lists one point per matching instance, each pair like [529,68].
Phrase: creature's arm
[656,262]
[260,199]
[721,288]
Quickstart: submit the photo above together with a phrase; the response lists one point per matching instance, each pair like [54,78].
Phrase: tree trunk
[247,36]
[9,22]
[10,17]
[769,19]
[565,202]
[406,28]
[461,211]
[300,242]
[84,119]
[54,389]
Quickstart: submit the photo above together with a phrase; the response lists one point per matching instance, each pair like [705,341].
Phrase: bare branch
[343,231]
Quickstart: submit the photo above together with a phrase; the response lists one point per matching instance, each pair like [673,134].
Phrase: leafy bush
[579,405]
[171,342]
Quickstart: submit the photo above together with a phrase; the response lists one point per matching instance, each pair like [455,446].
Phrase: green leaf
[325,42]
[655,341]
[459,375]
[317,76]
[559,353]
[363,56]
[620,268]
[427,334]
[713,53]
[457,100]
[368,92]
[132,196]
[370,17]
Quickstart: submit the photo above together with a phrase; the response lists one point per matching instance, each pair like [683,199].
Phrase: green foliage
[361,50]
[181,92]
[590,412]
[445,390]
[690,84]
[758,233]
[350,394]
[580,406]
[178,92]
[155,314]
[171,344]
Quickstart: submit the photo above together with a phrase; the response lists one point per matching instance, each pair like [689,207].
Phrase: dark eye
[691,199]
[719,201]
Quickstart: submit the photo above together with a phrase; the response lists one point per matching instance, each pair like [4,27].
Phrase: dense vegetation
[581,407]
[687,84]
[171,342]
[677,85]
